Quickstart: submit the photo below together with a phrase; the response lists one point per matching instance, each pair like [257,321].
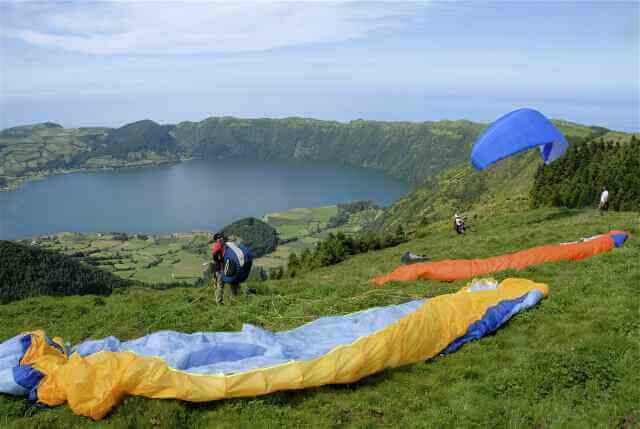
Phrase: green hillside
[135,141]
[27,271]
[409,151]
[44,149]
[573,361]
[39,150]
[508,186]
[503,187]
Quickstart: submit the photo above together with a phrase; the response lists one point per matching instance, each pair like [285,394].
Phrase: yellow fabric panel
[42,356]
[95,384]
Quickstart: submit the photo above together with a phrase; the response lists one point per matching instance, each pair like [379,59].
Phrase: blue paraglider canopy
[515,132]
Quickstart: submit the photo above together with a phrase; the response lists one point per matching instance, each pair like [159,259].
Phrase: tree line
[338,247]
[27,271]
[577,179]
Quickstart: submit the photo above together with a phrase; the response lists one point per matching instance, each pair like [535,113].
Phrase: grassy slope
[503,187]
[571,362]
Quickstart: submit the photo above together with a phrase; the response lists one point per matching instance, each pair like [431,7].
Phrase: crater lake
[191,195]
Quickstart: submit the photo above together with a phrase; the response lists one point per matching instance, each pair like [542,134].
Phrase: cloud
[168,28]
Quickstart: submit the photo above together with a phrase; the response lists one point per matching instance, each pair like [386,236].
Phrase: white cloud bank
[168,28]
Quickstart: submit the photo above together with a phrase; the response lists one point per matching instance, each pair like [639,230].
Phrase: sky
[85,63]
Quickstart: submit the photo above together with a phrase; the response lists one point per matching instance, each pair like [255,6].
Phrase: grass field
[571,362]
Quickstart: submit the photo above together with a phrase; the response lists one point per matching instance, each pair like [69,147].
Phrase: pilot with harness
[231,265]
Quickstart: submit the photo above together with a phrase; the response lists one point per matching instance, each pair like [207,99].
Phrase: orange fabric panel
[459,269]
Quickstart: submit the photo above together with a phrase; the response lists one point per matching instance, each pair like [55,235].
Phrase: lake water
[192,195]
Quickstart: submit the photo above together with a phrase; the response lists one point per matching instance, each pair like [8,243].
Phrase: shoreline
[101,234]
[17,182]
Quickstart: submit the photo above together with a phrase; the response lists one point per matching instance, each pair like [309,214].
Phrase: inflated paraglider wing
[516,132]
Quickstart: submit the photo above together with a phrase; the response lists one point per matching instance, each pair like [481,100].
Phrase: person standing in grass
[458,224]
[604,200]
[231,264]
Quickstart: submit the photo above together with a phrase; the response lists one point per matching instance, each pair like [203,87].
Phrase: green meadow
[571,362]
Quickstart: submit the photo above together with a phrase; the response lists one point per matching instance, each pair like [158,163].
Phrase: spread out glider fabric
[95,376]
[516,132]
[459,269]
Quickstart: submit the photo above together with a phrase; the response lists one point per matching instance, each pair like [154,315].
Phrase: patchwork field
[150,259]
[170,258]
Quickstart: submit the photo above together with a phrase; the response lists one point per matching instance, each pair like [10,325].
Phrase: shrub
[336,248]
[259,236]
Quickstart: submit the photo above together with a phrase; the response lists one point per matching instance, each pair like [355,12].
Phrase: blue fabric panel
[516,132]
[25,341]
[27,376]
[8,384]
[11,352]
[253,347]
[619,239]
[495,317]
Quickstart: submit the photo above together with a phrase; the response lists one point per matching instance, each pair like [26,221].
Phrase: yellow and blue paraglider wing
[209,366]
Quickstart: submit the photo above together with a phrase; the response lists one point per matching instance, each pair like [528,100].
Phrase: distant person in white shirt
[604,200]
[458,224]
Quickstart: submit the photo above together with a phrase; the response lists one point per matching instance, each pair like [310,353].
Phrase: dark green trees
[577,179]
[28,271]
[259,236]
[338,247]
